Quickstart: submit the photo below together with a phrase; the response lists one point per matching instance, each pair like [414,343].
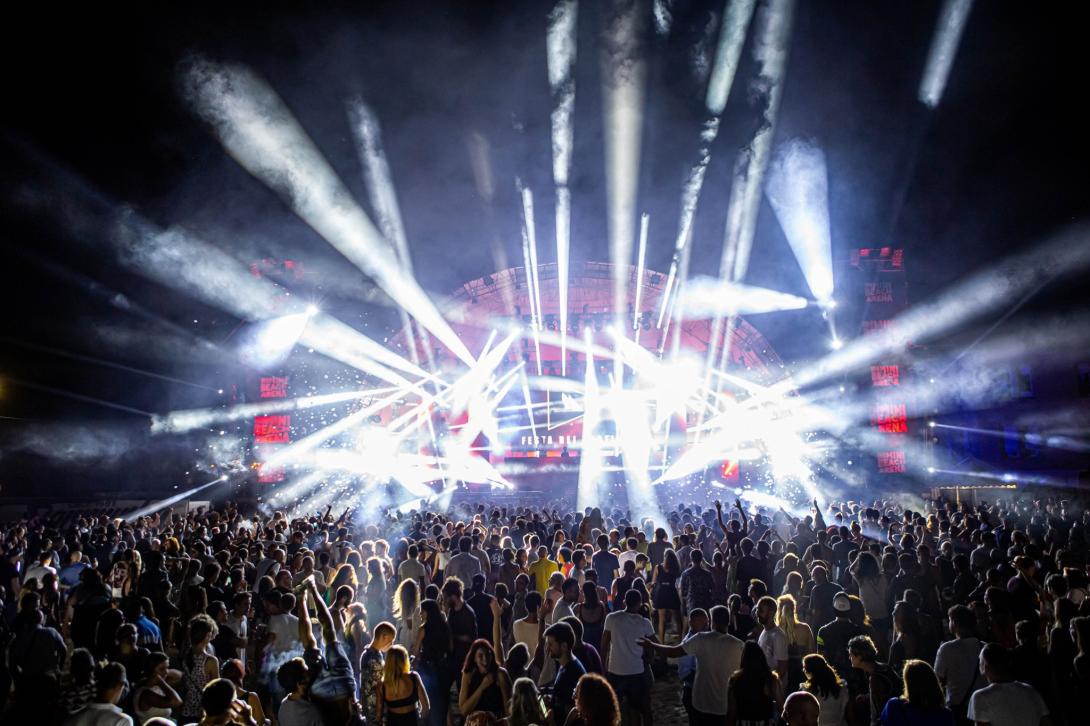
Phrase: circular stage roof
[496,301]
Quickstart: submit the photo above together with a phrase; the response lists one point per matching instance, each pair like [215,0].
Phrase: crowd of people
[852,613]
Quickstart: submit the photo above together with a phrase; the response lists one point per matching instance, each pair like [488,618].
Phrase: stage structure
[552,439]
[878,274]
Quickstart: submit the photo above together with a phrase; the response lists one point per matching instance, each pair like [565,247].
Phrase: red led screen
[885,375]
[874,326]
[890,418]
[272,429]
[891,462]
[274,387]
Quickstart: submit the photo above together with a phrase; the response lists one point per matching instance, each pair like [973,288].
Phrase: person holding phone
[527,705]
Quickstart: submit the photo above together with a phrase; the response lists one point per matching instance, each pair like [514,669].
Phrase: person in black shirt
[833,638]
[559,640]
[480,602]
[461,617]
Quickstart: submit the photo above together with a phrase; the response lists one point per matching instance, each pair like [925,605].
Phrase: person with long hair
[525,708]
[154,696]
[906,635]
[800,639]
[345,575]
[485,685]
[592,613]
[376,599]
[433,650]
[827,687]
[756,695]
[406,612]
[595,703]
[923,702]
[402,689]
[664,593]
[198,668]
[873,584]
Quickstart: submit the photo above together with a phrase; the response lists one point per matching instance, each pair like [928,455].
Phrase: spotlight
[829,304]
[312,310]
[930,470]
[931,424]
[836,344]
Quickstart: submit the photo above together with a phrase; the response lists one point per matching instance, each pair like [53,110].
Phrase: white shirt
[626,556]
[956,665]
[411,570]
[526,632]
[561,609]
[832,709]
[625,655]
[100,714]
[718,655]
[286,628]
[774,644]
[37,572]
[240,624]
[1007,704]
[873,593]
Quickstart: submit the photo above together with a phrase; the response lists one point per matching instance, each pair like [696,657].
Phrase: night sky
[94,119]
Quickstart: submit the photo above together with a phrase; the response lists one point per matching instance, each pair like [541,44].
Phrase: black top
[491,701]
[567,677]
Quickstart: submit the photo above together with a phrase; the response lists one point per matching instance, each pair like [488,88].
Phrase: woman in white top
[154,697]
[831,692]
[406,612]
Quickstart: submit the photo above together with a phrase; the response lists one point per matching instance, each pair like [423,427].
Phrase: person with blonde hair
[401,691]
[923,702]
[525,708]
[800,639]
[406,612]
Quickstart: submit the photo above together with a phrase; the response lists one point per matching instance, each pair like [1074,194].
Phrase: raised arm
[819,520]
[719,517]
[306,633]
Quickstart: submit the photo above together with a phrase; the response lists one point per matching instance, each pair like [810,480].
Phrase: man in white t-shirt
[1005,702]
[283,627]
[412,568]
[622,653]
[773,640]
[957,659]
[632,544]
[565,606]
[718,654]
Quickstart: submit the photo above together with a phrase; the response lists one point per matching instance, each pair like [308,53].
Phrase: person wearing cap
[832,639]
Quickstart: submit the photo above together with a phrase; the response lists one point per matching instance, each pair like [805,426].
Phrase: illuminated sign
[274,387]
[878,292]
[890,418]
[885,375]
[272,429]
[891,462]
[875,326]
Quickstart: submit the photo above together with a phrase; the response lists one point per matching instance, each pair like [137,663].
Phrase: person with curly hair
[595,703]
